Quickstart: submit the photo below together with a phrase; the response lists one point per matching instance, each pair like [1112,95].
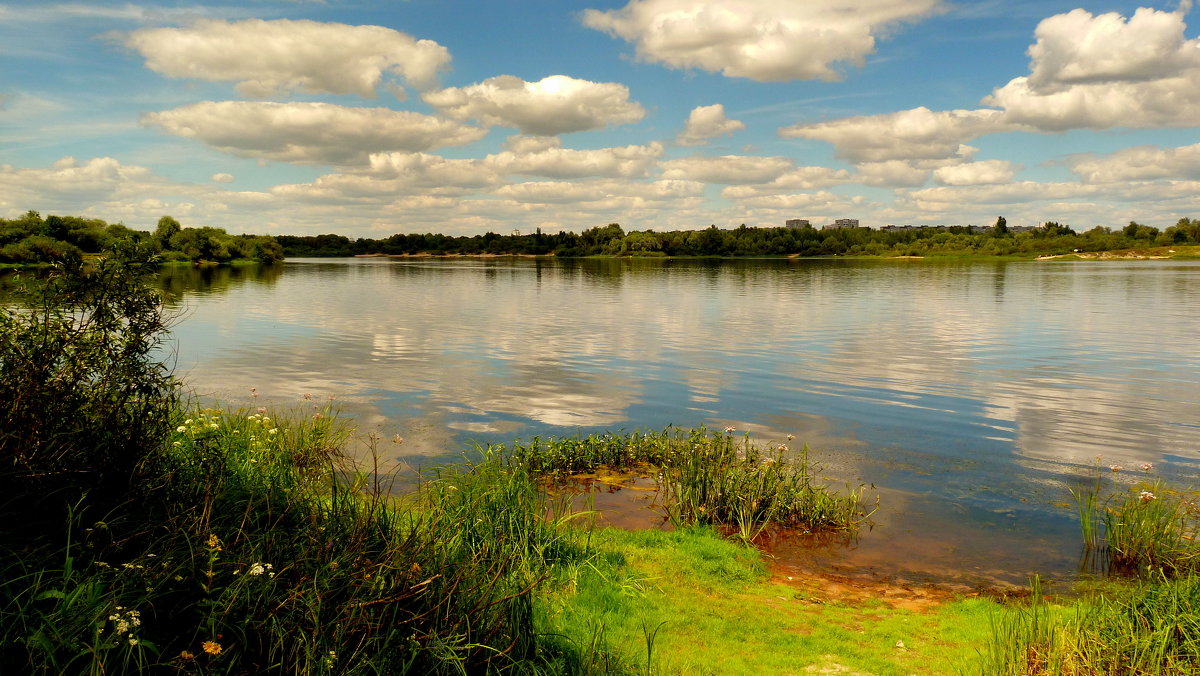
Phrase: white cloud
[1080,48]
[557,104]
[949,198]
[987,172]
[896,173]
[1105,71]
[68,182]
[706,122]
[1139,163]
[764,40]
[915,134]
[818,201]
[569,192]
[271,58]
[310,133]
[222,178]
[800,178]
[545,156]
[393,175]
[727,169]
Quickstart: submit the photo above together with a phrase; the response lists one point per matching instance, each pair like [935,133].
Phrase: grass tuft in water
[1140,529]
[705,477]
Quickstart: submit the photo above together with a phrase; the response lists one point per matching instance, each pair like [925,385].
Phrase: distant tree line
[612,240]
[33,239]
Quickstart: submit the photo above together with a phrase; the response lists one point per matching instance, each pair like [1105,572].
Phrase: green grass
[692,602]
[247,550]
[1135,627]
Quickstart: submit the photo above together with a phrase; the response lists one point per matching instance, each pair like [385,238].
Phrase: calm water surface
[969,395]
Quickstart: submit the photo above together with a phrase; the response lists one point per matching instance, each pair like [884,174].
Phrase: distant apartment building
[797,223]
[842,223]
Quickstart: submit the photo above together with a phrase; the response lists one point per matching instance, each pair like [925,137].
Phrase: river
[969,396]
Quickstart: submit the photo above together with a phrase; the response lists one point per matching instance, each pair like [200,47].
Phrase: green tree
[167,228]
[1001,227]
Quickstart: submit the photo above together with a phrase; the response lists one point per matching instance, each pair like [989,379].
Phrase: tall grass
[250,551]
[156,537]
[1142,528]
[705,477]
[1149,623]
[1151,627]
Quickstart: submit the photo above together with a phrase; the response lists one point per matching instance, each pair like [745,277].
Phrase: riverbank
[1149,253]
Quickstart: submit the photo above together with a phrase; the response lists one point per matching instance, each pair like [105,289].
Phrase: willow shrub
[84,395]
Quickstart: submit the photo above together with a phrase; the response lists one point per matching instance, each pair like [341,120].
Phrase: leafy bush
[84,397]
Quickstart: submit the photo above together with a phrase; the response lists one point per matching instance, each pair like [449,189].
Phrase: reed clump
[1142,528]
[706,477]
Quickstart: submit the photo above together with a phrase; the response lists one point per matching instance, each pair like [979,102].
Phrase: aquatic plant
[705,477]
[1143,528]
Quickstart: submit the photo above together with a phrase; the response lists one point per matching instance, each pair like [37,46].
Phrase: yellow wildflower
[211,647]
[214,543]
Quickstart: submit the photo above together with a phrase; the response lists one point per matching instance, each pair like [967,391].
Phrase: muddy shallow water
[970,396]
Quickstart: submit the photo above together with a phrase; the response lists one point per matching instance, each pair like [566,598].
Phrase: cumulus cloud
[545,156]
[564,192]
[1079,48]
[800,178]
[819,201]
[706,122]
[222,178]
[1105,71]
[727,169]
[764,40]
[557,104]
[68,179]
[916,134]
[310,133]
[987,172]
[272,58]
[389,176]
[1140,163]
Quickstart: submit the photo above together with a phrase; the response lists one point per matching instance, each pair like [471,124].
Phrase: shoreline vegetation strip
[145,534]
[33,240]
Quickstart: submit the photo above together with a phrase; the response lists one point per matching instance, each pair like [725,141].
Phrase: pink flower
[1115,468]
[1146,467]
[730,429]
[1145,496]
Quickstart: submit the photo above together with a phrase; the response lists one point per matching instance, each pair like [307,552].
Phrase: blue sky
[370,118]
